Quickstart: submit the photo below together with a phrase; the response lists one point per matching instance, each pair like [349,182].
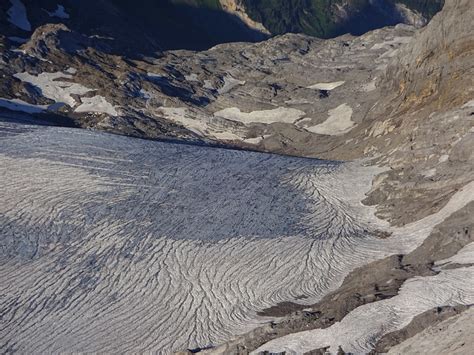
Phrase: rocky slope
[397,97]
[143,26]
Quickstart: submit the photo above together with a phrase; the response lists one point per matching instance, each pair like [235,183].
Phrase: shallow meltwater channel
[115,244]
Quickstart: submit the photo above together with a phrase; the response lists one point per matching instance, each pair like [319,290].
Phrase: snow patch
[256,140]
[444,158]
[180,115]
[54,89]
[229,84]
[96,104]
[280,114]
[61,91]
[198,124]
[326,86]
[339,122]
[298,102]
[208,85]
[71,70]
[17,15]
[144,94]
[429,173]
[191,77]
[155,75]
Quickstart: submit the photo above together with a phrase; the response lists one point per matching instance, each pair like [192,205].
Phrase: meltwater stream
[114,244]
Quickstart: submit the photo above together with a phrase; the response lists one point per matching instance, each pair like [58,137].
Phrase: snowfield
[338,122]
[114,244]
[280,114]
[61,91]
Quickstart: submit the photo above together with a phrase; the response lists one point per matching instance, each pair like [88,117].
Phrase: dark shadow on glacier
[167,190]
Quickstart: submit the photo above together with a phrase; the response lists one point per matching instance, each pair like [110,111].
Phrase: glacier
[118,244]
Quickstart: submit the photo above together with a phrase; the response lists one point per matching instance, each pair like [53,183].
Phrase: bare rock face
[237,8]
[436,67]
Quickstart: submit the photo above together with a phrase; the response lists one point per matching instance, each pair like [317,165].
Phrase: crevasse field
[115,244]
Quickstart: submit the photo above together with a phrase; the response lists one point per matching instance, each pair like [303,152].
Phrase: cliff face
[422,126]
[147,26]
[436,67]
[329,18]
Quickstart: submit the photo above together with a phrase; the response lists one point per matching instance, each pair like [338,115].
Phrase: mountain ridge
[149,26]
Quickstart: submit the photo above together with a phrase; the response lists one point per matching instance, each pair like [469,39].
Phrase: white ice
[96,104]
[280,114]
[191,77]
[53,88]
[61,91]
[339,122]
[469,104]
[464,256]
[198,124]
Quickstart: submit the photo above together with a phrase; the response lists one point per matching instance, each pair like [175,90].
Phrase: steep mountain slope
[146,26]
[143,26]
[329,18]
